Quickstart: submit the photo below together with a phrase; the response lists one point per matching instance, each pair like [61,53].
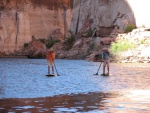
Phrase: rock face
[52,19]
[79,49]
[104,15]
[22,19]
[35,49]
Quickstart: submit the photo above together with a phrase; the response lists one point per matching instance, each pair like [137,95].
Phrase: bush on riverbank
[43,40]
[51,43]
[26,45]
[122,45]
[129,28]
[69,42]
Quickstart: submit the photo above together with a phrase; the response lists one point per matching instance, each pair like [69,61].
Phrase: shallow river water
[24,88]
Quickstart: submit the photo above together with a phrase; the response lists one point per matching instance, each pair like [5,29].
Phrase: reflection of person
[50,59]
[106,60]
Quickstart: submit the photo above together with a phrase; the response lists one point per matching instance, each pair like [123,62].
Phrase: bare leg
[104,65]
[108,69]
[103,69]
[48,69]
[52,69]
[108,62]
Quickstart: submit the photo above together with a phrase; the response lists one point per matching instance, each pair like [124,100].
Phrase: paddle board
[51,75]
[104,74]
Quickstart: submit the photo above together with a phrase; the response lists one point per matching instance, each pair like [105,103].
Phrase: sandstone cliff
[22,19]
[104,15]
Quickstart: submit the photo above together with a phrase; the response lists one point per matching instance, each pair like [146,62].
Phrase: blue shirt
[105,55]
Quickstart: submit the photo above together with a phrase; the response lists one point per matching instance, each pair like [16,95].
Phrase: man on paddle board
[106,60]
[50,59]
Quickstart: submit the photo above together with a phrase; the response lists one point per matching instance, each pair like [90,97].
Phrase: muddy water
[25,88]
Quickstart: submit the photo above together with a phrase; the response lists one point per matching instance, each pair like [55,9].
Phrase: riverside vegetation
[125,47]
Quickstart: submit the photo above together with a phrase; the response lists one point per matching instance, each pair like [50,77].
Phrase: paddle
[100,63]
[98,69]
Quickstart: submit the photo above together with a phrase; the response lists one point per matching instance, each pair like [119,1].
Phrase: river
[24,88]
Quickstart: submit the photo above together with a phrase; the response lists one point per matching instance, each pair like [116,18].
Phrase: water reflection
[25,78]
[109,102]
[23,83]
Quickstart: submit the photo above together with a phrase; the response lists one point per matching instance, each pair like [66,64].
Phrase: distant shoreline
[13,57]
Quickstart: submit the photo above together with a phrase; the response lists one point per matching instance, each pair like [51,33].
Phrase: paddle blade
[95,74]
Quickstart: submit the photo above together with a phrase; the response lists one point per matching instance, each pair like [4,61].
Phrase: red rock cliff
[22,19]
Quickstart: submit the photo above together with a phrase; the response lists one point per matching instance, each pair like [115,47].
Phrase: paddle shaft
[99,67]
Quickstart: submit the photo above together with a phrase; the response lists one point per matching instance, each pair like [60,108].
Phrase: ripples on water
[136,101]
[25,88]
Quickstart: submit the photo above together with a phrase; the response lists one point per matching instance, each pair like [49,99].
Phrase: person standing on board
[50,59]
[106,60]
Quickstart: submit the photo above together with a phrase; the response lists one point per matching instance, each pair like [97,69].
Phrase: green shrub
[98,57]
[42,40]
[39,55]
[2,8]
[129,28]
[143,41]
[26,44]
[33,37]
[90,32]
[91,47]
[121,46]
[69,42]
[51,43]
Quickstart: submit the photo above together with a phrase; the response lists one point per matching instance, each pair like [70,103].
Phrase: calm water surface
[24,88]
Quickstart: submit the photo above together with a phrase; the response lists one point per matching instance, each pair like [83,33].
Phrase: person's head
[51,50]
[105,49]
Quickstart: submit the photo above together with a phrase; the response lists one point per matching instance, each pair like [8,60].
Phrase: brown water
[137,101]
[24,88]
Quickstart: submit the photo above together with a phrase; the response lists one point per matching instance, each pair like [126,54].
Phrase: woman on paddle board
[50,59]
[106,60]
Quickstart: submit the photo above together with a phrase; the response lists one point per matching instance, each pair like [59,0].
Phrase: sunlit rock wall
[22,19]
[107,14]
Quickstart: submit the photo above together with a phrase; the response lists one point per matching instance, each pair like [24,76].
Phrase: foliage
[129,28]
[51,43]
[42,40]
[3,5]
[121,46]
[2,8]
[39,55]
[90,32]
[91,47]
[143,41]
[33,37]
[26,44]
[98,57]
[69,42]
